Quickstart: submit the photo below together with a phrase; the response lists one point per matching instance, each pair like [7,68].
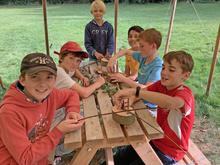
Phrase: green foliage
[22,32]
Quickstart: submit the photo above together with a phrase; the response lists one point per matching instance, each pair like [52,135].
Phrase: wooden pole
[174,2]
[115,25]
[44,3]
[214,59]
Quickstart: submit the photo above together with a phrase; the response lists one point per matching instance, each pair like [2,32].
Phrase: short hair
[136,29]
[184,58]
[64,54]
[98,3]
[152,36]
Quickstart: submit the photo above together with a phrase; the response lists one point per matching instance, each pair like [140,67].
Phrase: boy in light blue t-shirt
[148,58]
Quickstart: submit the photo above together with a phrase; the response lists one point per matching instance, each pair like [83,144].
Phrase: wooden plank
[112,129]
[85,155]
[92,125]
[151,132]
[134,130]
[73,140]
[109,156]
[197,155]
[146,153]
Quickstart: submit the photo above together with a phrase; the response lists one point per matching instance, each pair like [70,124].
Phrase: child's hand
[111,65]
[71,123]
[121,94]
[98,55]
[85,81]
[118,77]
[100,81]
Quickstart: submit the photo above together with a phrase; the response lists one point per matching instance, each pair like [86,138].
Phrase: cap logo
[41,60]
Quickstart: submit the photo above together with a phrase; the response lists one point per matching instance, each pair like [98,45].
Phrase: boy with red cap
[70,57]
[27,111]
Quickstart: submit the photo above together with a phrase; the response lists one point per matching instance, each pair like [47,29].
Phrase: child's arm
[83,79]
[88,41]
[110,44]
[87,91]
[162,100]
[113,60]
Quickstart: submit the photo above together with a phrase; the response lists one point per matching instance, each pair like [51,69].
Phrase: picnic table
[102,132]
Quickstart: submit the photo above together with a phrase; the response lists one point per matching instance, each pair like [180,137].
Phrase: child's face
[146,49]
[70,62]
[133,39]
[172,74]
[38,85]
[97,13]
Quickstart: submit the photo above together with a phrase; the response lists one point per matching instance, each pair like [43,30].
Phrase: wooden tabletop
[103,132]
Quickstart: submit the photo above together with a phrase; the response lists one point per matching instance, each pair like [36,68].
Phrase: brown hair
[135,28]
[152,36]
[64,54]
[184,58]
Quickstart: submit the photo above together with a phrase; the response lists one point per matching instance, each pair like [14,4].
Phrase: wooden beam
[214,59]
[44,4]
[115,25]
[174,2]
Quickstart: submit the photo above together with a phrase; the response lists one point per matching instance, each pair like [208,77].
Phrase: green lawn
[22,32]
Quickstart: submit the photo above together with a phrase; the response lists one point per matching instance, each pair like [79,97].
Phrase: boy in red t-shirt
[175,113]
[27,110]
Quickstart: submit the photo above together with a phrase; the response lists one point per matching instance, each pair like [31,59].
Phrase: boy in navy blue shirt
[99,40]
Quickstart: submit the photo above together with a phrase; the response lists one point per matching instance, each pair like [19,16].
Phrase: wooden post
[44,3]
[116,30]
[214,59]
[174,2]
[115,26]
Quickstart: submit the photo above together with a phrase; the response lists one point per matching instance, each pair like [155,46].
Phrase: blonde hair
[98,3]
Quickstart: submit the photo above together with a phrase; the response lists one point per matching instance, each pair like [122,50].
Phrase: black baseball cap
[36,62]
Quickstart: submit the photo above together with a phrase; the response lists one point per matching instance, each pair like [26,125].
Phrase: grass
[22,32]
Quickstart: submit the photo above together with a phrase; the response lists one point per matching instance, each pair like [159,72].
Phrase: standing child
[27,110]
[131,65]
[98,37]
[175,113]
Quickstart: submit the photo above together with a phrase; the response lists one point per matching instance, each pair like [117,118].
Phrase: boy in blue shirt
[150,64]
[99,40]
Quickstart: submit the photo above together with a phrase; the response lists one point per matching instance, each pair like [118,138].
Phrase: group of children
[43,105]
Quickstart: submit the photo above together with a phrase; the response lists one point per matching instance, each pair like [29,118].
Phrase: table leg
[85,155]
[109,156]
[146,153]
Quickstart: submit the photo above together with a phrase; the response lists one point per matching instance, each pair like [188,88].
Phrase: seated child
[27,110]
[99,39]
[131,65]
[175,109]
[70,57]
[150,64]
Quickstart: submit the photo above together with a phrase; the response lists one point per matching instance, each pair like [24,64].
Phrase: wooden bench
[194,156]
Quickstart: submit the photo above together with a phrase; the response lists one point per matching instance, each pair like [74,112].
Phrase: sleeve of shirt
[63,80]
[188,98]
[137,56]
[68,99]
[110,44]
[88,40]
[15,139]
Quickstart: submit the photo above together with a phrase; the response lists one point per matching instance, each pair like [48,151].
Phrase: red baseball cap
[74,47]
